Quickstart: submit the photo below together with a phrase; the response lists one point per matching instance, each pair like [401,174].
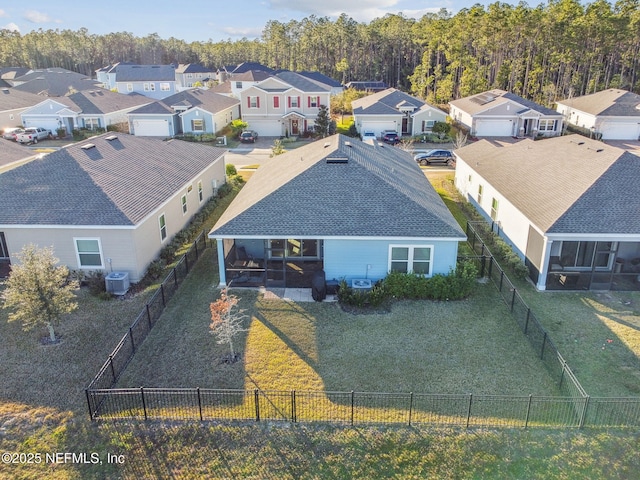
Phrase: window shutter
[299,104]
[289,98]
[276,102]
[248,102]
[309,102]
[258,102]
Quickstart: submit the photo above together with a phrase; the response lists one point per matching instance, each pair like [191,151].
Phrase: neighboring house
[237,82]
[12,104]
[153,81]
[497,113]
[107,204]
[568,206]
[194,111]
[350,209]
[370,86]
[191,74]
[89,109]
[284,104]
[394,110]
[335,86]
[609,115]
[53,82]
[13,155]
[224,73]
[9,74]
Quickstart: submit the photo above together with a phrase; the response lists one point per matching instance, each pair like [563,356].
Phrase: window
[200,192]
[427,125]
[494,209]
[253,102]
[91,123]
[547,125]
[129,87]
[295,248]
[197,125]
[163,227]
[149,87]
[294,102]
[586,254]
[165,87]
[239,85]
[146,87]
[189,75]
[314,101]
[88,252]
[410,258]
[183,201]
[479,194]
[276,102]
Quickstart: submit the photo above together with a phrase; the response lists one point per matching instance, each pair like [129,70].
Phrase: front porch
[271,263]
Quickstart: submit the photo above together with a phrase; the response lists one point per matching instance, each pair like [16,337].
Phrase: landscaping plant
[226,322]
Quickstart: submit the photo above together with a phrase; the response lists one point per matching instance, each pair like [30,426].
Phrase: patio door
[602,266]
[276,262]
[4,251]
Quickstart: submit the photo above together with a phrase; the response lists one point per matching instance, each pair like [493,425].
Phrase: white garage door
[494,128]
[50,124]
[266,128]
[151,128]
[378,127]
[620,131]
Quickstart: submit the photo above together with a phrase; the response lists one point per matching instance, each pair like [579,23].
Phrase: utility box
[117,283]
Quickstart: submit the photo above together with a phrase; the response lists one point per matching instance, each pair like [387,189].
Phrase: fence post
[513,299]
[484,259]
[526,323]
[583,417]
[491,260]
[113,370]
[526,420]
[199,403]
[256,397]
[144,404]
[501,278]
[148,315]
[133,344]
[195,246]
[175,277]
[164,301]
[86,392]
[352,401]
[564,366]
[293,406]
[410,406]
[544,341]
[469,409]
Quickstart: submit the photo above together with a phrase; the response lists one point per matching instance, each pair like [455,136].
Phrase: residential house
[192,75]
[12,104]
[153,81]
[193,111]
[284,104]
[608,115]
[350,209]
[497,113]
[8,74]
[107,75]
[568,206]
[88,109]
[237,82]
[396,111]
[13,155]
[53,82]
[368,86]
[107,204]
[335,86]
[224,73]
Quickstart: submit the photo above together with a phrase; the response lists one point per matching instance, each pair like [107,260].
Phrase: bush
[95,282]
[374,298]
[155,269]
[231,170]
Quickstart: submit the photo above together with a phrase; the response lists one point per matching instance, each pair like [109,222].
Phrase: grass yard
[421,346]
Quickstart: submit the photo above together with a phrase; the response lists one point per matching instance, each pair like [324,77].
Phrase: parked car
[390,137]
[249,136]
[10,133]
[33,134]
[434,156]
[368,134]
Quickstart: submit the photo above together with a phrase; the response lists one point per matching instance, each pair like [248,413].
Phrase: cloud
[11,26]
[243,32]
[34,16]
[3,13]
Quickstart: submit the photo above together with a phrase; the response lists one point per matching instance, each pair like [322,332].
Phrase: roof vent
[87,146]
[337,159]
[577,142]
[328,144]
[111,137]
[348,144]
[597,150]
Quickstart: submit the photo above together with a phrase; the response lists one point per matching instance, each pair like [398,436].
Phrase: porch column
[546,255]
[221,267]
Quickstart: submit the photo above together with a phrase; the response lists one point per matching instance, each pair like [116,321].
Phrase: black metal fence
[124,351]
[575,410]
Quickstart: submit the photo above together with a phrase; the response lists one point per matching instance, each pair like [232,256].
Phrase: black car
[434,156]
[390,137]
[249,136]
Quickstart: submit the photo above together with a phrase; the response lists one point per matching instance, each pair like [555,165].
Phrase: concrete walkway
[298,295]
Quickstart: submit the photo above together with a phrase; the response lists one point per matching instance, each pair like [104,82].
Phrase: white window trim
[411,248]
[184,204]
[88,267]
[129,87]
[164,87]
[162,215]
[200,192]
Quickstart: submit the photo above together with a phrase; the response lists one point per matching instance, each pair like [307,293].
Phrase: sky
[215,20]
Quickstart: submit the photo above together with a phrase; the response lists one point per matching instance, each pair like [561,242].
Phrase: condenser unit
[117,283]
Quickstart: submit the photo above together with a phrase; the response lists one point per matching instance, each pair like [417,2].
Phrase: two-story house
[192,75]
[153,81]
[285,104]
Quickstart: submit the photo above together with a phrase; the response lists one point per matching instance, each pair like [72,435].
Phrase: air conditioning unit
[117,283]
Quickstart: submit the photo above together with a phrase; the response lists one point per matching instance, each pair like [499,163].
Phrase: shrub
[231,170]
[155,269]
[95,282]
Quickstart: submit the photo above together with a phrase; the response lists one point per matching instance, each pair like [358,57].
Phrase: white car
[32,135]
[10,133]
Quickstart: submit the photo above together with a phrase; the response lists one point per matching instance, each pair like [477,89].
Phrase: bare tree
[38,290]
[460,140]
[226,322]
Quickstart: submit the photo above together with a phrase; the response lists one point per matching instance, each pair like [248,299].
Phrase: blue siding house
[354,210]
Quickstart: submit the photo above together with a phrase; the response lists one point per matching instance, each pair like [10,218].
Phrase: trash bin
[318,286]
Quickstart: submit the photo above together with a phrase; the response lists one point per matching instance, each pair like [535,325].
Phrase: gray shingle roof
[477,103]
[118,182]
[207,100]
[100,101]
[380,192]
[384,103]
[10,99]
[612,102]
[302,83]
[55,82]
[568,184]
[141,73]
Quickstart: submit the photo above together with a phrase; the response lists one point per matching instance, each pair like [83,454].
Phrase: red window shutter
[248,102]
[309,102]
[289,101]
[276,102]
[299,104]
[258,102]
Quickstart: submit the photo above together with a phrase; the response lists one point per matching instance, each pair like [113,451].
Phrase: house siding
[354,258]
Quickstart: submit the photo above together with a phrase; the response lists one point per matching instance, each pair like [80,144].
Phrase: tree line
[557,50]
